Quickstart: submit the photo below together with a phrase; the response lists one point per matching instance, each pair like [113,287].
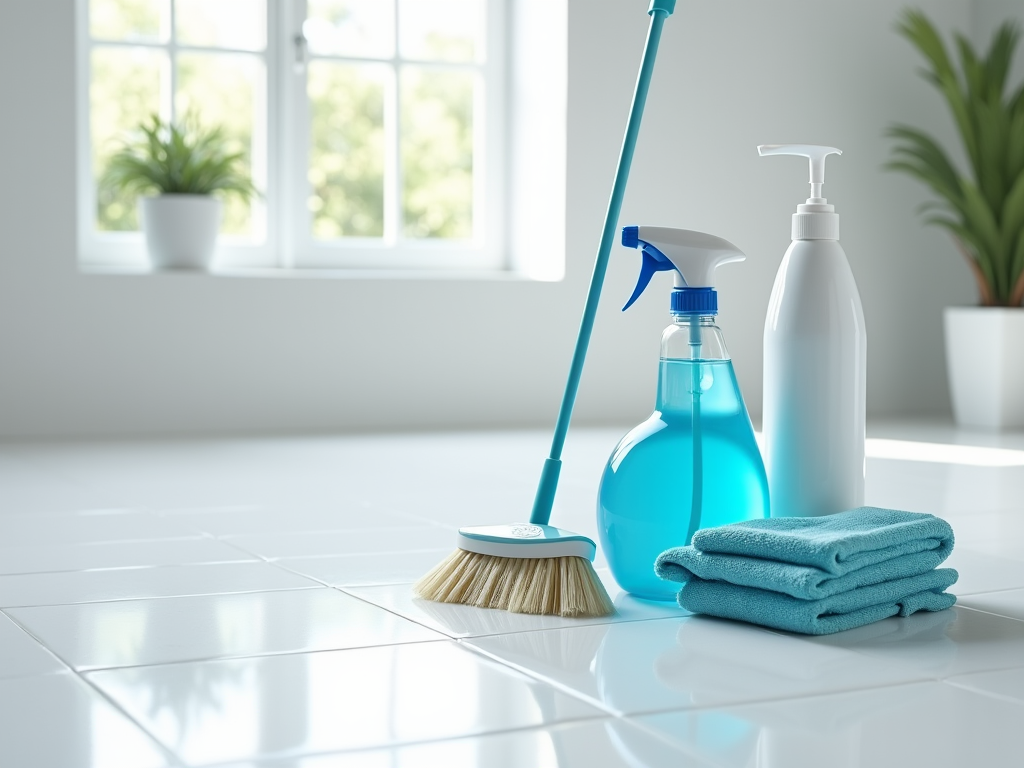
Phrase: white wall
[113,355]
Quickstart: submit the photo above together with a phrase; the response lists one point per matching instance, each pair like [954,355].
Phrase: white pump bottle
[815,363]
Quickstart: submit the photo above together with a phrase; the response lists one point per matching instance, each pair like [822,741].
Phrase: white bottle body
[815,384]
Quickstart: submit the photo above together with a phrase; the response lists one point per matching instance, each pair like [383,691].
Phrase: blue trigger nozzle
[653,261]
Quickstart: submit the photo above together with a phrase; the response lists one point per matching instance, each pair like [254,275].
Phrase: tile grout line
[174,759]
[989,592]
[589,623]
[262,590]
[239,548]
[263,655]
[981,672]
[272,760]
[987,613]
[980,692]
[24,630]
[128,567]
[925,678]
[846,690]
[144,540]
[554,684]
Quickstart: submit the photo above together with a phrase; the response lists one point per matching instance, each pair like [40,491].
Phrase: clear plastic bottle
[692,464]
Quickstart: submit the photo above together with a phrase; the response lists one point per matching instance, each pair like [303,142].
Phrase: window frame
[127,249]
[288,239]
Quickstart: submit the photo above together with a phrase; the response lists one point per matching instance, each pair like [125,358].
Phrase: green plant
[983,211]
[178,158]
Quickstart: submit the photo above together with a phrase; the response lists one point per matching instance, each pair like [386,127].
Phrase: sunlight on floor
[940,453]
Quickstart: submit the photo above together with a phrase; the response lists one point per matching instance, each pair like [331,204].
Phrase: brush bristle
[551,586]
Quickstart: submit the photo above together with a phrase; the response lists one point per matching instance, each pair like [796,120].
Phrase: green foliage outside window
[125,90]
[346,162]
[348,103]
[437,154]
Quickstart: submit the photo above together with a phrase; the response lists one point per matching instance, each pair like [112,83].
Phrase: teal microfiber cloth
[814,557]
[846,610]
[836,543]
[819,574]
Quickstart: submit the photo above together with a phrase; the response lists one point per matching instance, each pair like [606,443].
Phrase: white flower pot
[181,230]
[985,361]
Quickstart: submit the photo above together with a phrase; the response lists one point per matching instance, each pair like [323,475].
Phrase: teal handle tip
[667,7]
[546,488]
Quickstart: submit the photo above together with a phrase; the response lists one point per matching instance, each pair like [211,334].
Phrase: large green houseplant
[983,210]
[180,171]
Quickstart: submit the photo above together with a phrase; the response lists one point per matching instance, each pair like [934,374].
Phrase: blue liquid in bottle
[692,464]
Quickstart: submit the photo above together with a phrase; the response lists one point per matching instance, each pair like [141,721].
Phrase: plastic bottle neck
[693,337]
[816,220]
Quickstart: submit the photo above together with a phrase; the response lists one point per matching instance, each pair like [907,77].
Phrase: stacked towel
[816,575]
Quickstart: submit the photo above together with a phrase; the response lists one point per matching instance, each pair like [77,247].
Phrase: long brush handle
[545,499]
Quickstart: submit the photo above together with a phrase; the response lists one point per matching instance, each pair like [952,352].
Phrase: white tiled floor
[246,603]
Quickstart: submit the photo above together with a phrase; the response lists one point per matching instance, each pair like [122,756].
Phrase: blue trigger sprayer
[694,462]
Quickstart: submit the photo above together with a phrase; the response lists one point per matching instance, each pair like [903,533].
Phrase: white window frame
[485,249]
[127,249]
[288,242]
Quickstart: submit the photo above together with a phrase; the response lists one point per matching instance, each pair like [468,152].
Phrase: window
[373,127]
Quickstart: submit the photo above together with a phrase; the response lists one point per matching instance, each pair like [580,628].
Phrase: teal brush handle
[659,11]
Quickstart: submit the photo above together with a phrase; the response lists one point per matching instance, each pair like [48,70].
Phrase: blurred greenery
[440,30]
[124,91]
[238,24]
[983,210]
[126,88]
[348,140]
[182,157]
[128,20]
[437,153]
[222,89]
[347,147]
[358,28]
[346,154]
[438,46]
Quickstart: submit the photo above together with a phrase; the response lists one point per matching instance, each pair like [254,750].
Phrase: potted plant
[187,167]
[983,210]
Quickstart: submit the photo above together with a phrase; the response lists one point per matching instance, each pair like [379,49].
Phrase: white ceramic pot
[985,361]
[181,230]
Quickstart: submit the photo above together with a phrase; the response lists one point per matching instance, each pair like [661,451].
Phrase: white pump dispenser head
[815,219]
[693,256]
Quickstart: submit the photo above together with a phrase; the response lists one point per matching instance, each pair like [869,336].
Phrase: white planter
[181,230]
[985,361]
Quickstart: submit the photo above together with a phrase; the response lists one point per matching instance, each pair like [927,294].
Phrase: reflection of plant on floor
[192,692]
[983,211]
[181,158]
[187,693]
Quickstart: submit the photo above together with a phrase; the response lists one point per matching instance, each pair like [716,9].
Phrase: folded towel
[801,581]
[846,610]
[837,544]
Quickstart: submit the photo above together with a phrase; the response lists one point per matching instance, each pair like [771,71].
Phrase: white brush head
[525,540]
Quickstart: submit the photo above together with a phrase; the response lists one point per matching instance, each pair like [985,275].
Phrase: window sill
[280,273]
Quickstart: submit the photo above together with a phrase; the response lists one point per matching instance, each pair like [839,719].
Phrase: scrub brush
[537,568]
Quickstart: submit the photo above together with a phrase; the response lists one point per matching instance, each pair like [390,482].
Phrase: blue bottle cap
[694,301]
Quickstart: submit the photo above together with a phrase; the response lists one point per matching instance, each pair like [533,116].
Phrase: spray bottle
[815,369]
[694,462]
